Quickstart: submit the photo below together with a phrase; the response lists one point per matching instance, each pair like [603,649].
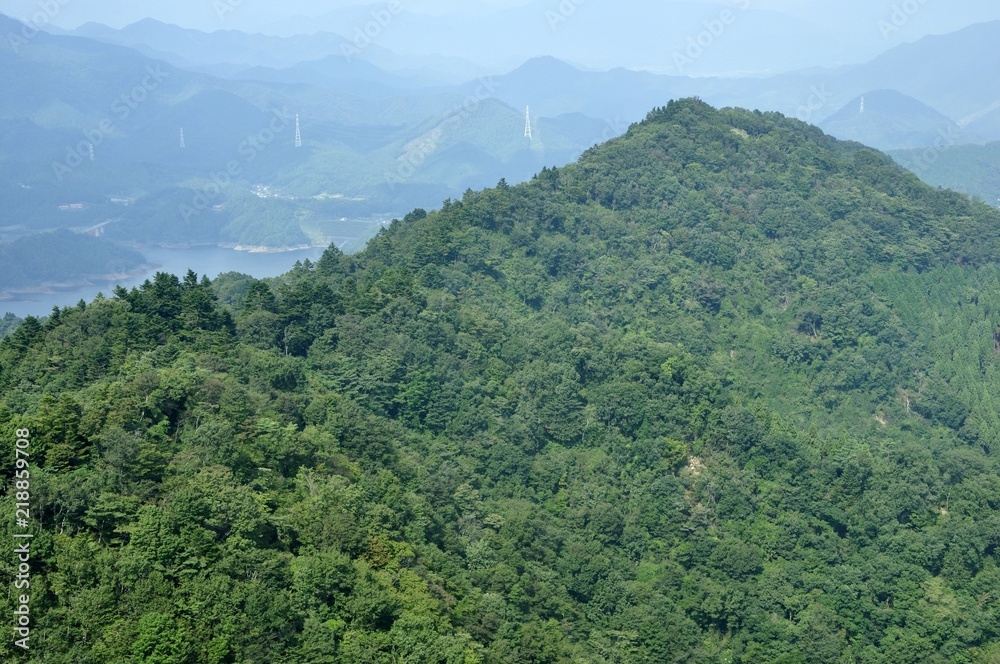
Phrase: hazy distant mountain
[41,259]
[646,33]
[346,76]
[370,143]
[955,73]
[888,120]
[130,108]
[471,146]
[553,87]
[986,123]
[972,169]
[945,72]
[951,73]
[579,129]
[193,47]
[228,51]
[375,140]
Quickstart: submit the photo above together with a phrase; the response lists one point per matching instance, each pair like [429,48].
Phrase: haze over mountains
[500,34]
[90,131]
[229,51]
[941,71]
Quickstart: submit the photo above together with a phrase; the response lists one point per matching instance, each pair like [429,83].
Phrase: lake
[203,260]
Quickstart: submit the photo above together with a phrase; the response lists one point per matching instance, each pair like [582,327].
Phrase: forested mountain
[720,391]
[973,169]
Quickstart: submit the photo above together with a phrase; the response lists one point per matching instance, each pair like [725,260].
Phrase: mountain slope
[891,121]
[719,391]
[973,169]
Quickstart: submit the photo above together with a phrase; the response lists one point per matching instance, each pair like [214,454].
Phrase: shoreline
[17,294]
[264,249]
[247,248]
[55,287]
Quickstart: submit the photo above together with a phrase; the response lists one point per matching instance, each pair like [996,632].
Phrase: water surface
[207,260]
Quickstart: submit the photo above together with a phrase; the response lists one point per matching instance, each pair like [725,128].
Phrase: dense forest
[721,391]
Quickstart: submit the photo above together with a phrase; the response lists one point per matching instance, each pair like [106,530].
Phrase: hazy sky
[932,15]
[855,28]
[205,14]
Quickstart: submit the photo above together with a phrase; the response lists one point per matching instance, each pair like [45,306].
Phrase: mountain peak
[888,120]
[545,65]
[153,24]
[682,111]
